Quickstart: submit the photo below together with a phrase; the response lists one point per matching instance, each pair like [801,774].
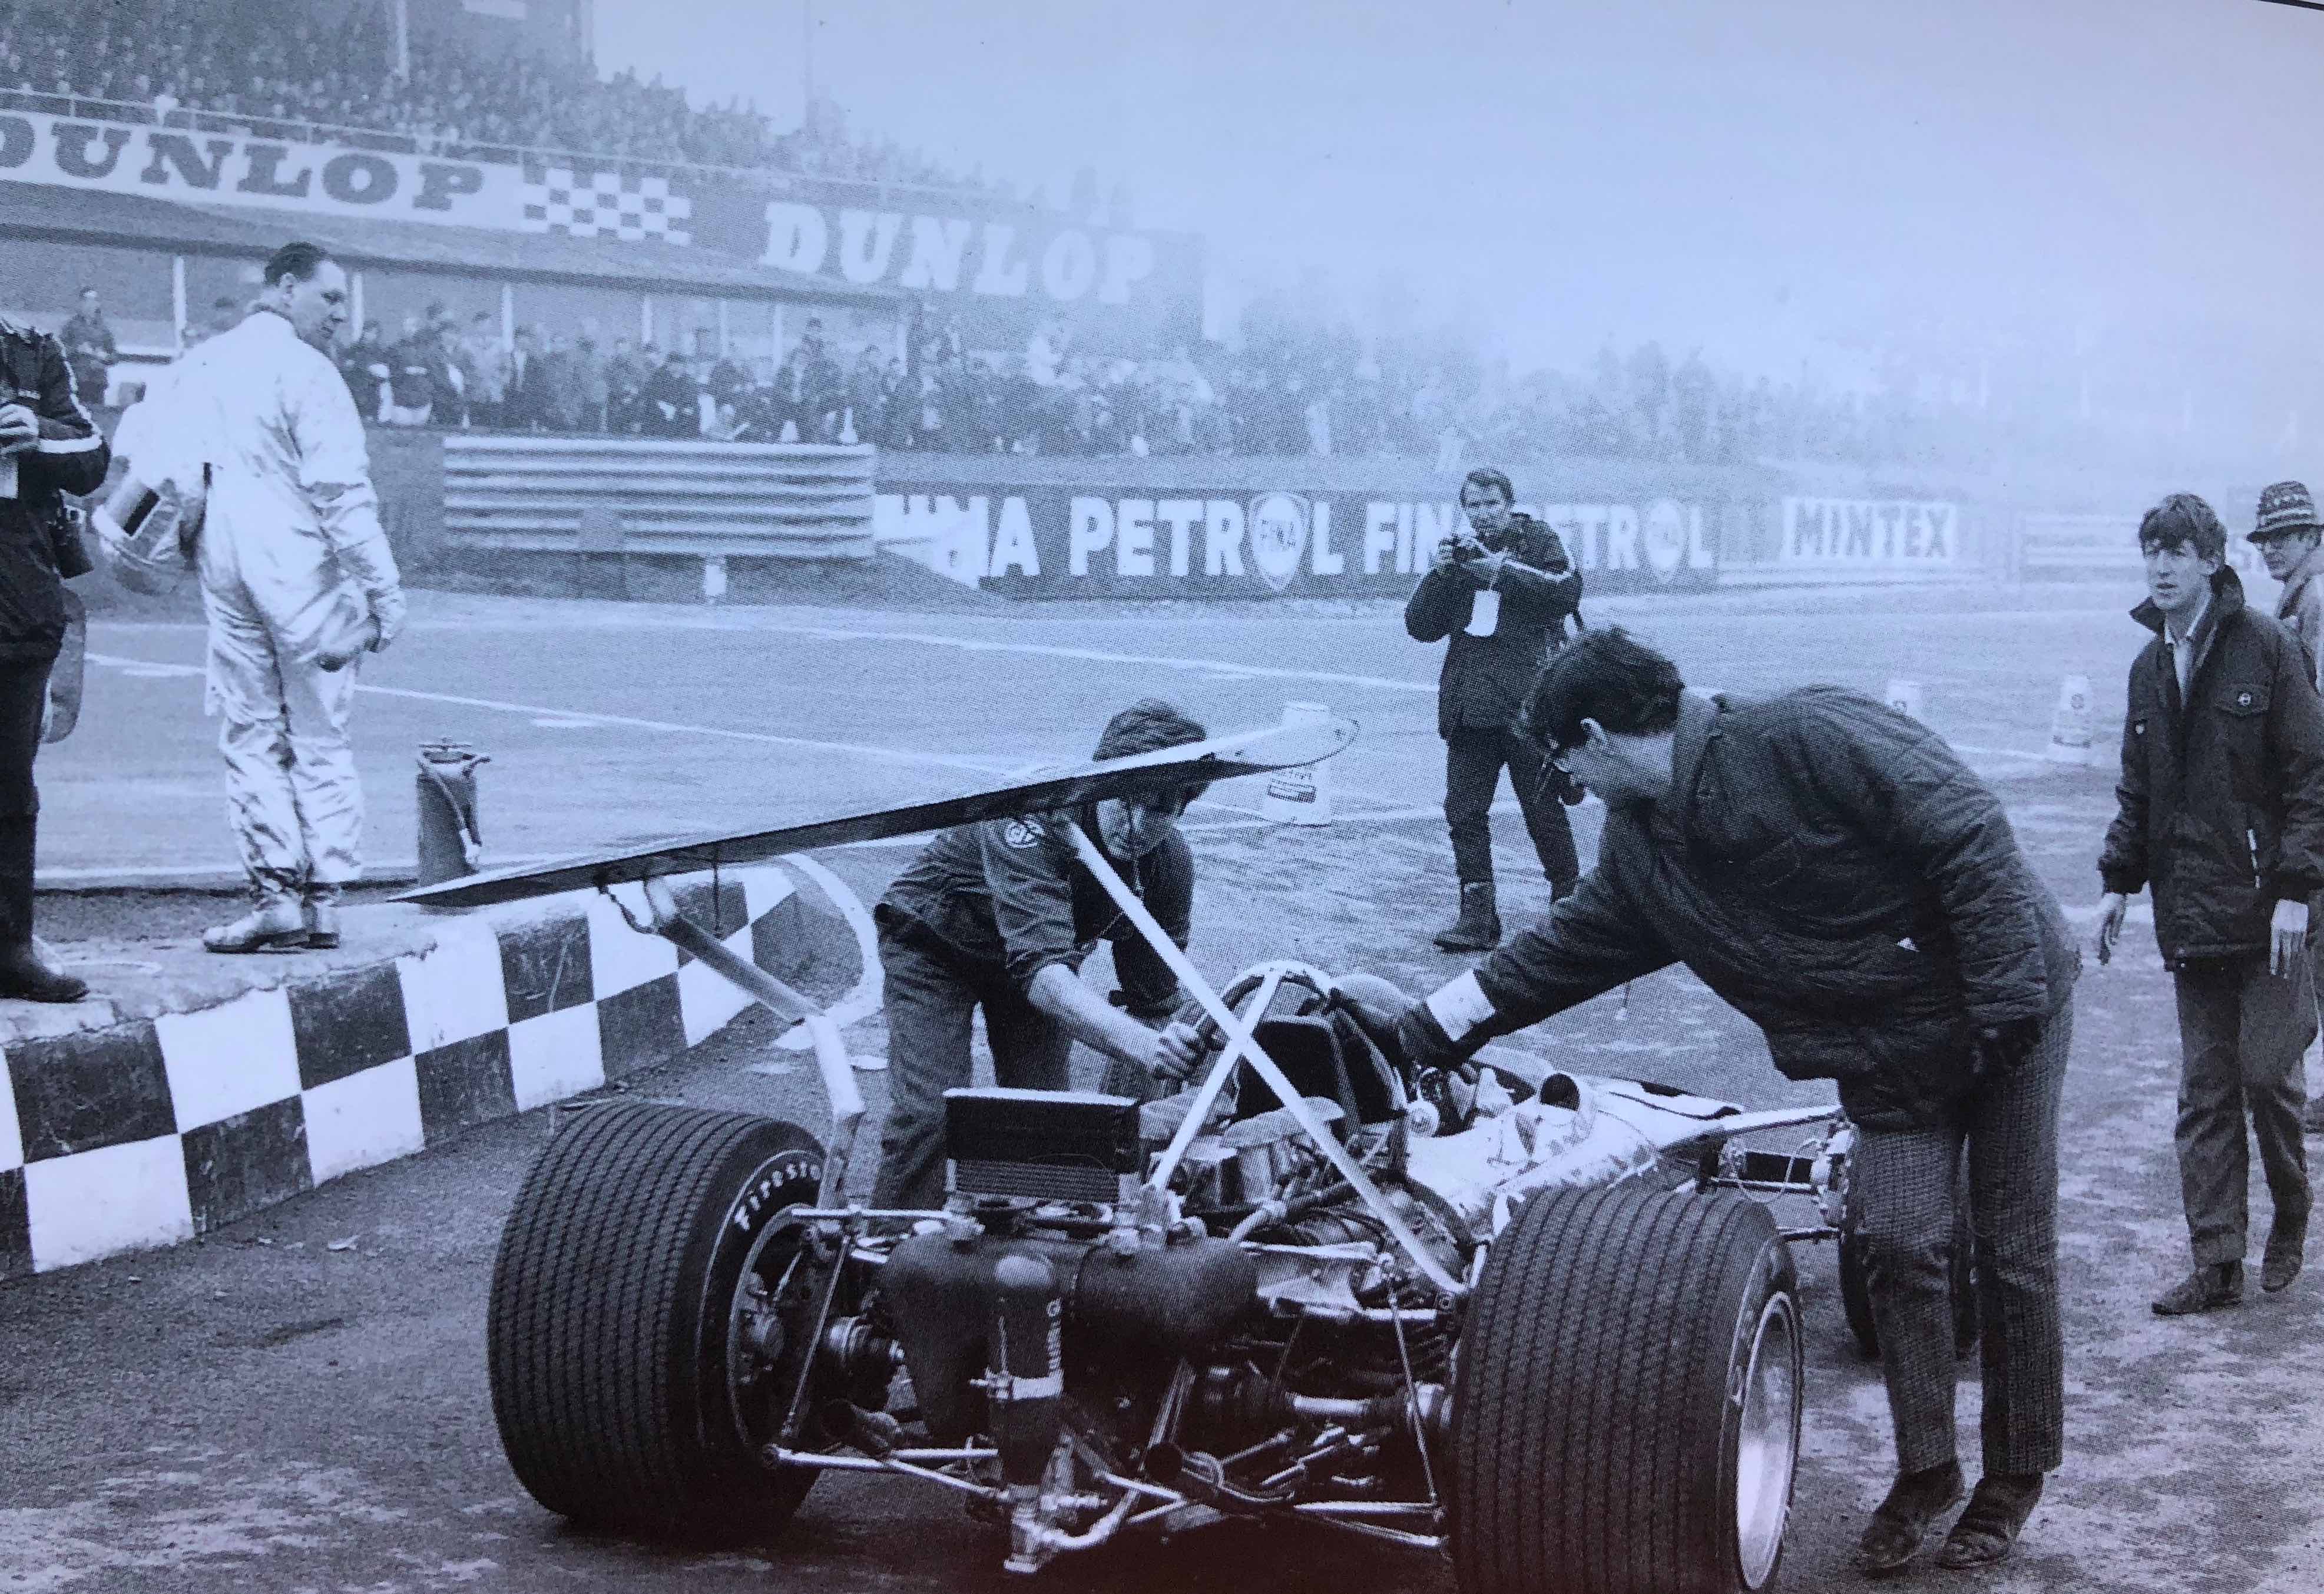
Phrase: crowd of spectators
[939,394]
[274,70]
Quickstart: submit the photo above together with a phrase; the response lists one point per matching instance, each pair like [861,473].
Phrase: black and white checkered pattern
[605,204]
[155,1130]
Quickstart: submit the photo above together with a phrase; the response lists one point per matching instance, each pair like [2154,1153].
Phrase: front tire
[623,1384]
[1627,1407]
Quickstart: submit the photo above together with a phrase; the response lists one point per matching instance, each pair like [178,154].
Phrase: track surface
[260,1411]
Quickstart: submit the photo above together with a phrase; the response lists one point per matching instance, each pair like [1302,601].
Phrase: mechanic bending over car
[999,915]
[1830,868]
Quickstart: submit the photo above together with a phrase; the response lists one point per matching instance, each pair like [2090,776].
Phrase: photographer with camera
[49,447]
[1501,591]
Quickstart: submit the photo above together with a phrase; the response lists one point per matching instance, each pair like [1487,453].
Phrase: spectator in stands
[595,381]
[626,381]
[896,401]
[484,361]
[865,386]
[366,364]
[820,388]
[560,385]
[673,405]
[728,380]
[89,349]
[525,408]
[411,375]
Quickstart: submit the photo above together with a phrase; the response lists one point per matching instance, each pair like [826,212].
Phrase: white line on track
[1212,667]
[980,766]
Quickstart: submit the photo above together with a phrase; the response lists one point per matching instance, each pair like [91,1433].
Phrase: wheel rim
[1766,1446]
[758,1371]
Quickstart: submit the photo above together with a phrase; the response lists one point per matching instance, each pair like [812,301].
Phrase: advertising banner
[1102,541]
[222,169]
[1851,534]
[1001,268]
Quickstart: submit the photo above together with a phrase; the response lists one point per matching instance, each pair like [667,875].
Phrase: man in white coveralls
[297,582]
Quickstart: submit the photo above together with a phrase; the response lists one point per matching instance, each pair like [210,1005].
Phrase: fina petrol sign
[1085,542]
[220,168]
[1841,534]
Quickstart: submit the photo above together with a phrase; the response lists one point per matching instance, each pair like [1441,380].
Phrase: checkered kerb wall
[605,204]
[155,1131]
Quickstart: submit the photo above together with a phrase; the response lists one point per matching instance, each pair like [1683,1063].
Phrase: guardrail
[604,495]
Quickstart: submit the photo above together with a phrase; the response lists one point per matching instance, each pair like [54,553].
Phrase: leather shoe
[1996,1514]
[26,976]
[1902,1522]
[276,923]
[2206,1289]
[2287,1250]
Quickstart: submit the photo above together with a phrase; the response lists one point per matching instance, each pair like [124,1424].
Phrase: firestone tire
[1626,1406]
[1856,1279]
[611,1318]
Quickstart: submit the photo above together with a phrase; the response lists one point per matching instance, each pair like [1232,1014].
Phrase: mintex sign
[1869,534]
[1064,541]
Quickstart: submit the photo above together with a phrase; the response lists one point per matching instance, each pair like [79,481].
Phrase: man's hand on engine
[1177,1049]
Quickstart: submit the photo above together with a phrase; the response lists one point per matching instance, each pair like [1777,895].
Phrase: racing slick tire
[613,1337]
[1856,1280]
[1627,1404]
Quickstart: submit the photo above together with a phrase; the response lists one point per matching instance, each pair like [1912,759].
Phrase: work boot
[25,975]
[1478,927]
[2206,1289]
[320,912]
[1900,1524]
[278,924]
[1996,1514]
[2286,1253]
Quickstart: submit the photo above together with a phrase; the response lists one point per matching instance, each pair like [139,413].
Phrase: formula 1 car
[1531,1319]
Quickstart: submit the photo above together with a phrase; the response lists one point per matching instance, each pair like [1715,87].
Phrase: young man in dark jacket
[1501,592]
[2221,810]
[49,447]
[1832,870]
[999,915]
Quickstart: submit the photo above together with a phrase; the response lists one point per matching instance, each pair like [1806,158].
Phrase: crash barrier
[1301,795]
[2102,547]
[155,1130]
[606,497]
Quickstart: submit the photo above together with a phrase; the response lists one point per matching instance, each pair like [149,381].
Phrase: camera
[1465,546]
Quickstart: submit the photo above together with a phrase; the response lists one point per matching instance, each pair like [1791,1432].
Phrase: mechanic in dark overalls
[49,447]
[999,916]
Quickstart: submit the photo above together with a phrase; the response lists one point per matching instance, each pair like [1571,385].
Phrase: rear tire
[612,1338]
[1855,1276]
[1626,1406]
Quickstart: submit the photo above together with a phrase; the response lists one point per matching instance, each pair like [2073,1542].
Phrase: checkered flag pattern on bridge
[605,204]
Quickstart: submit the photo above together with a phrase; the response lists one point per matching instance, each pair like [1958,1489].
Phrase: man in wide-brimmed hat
[2287,533]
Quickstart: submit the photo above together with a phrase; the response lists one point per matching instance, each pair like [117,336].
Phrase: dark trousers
[929,1001]
[2241,1034]
[1473,773]
[23,694]
[2009,1124]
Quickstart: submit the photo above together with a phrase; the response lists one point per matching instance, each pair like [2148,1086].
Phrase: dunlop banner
[1100,541]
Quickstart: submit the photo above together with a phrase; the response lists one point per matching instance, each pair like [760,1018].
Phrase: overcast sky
[1749,175]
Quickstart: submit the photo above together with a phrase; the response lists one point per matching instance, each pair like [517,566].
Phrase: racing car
[1538,1321]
